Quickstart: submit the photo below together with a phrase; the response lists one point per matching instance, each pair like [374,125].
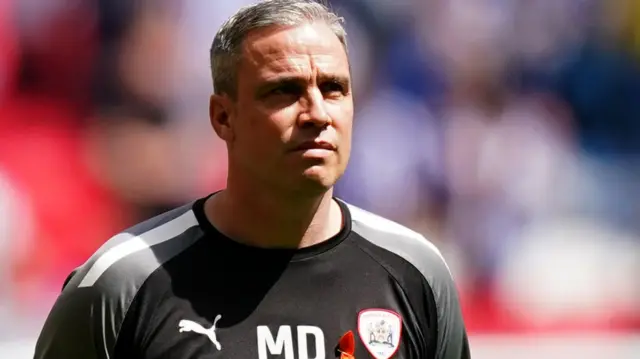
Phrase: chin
[319,179]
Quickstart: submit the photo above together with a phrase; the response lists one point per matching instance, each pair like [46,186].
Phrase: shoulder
[129,257]
[450,338]
[401,241]
[87,318]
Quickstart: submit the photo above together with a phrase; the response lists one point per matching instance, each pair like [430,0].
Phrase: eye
[289,89]
[332,88]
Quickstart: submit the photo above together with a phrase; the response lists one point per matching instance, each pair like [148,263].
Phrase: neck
[262,218]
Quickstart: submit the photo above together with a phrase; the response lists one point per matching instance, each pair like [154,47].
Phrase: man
[274,265]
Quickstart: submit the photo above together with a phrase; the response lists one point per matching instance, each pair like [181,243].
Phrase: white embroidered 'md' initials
[283,343]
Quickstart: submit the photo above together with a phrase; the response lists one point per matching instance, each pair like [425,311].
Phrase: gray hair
[226,50]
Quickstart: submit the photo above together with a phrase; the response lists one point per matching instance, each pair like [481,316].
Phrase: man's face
[294,109]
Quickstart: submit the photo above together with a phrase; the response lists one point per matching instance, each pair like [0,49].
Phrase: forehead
[302,50]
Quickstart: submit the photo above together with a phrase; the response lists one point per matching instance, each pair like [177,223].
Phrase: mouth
[315,145]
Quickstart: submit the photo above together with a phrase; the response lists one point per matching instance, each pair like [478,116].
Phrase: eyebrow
[275,82]
[340,79]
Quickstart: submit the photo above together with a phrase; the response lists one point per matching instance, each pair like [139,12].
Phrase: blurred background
[507,132]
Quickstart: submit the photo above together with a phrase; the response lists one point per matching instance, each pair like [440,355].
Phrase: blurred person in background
[503,148]
[42,152]
[15,239]
[601,82]
[72,152]
[596,237]
[131,131]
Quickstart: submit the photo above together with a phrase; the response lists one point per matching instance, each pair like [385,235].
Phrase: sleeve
[452,339]
[81,325]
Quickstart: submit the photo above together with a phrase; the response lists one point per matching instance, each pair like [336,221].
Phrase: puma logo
[191,326]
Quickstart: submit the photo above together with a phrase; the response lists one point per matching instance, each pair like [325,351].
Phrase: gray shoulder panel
[422,254]
[406,243]
[139,229]
[87,317]
[126,243]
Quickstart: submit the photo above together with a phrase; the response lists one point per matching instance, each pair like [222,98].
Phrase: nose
[315,112]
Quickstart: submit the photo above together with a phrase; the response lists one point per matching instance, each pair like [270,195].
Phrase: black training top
[175,287]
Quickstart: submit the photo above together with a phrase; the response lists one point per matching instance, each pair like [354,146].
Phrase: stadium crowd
[507,132]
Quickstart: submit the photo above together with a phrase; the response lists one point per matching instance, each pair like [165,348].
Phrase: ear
[220,114]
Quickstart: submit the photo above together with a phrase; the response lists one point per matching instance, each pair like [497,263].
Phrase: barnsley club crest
[380,331]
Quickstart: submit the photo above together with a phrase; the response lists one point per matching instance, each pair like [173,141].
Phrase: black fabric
[270,303]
